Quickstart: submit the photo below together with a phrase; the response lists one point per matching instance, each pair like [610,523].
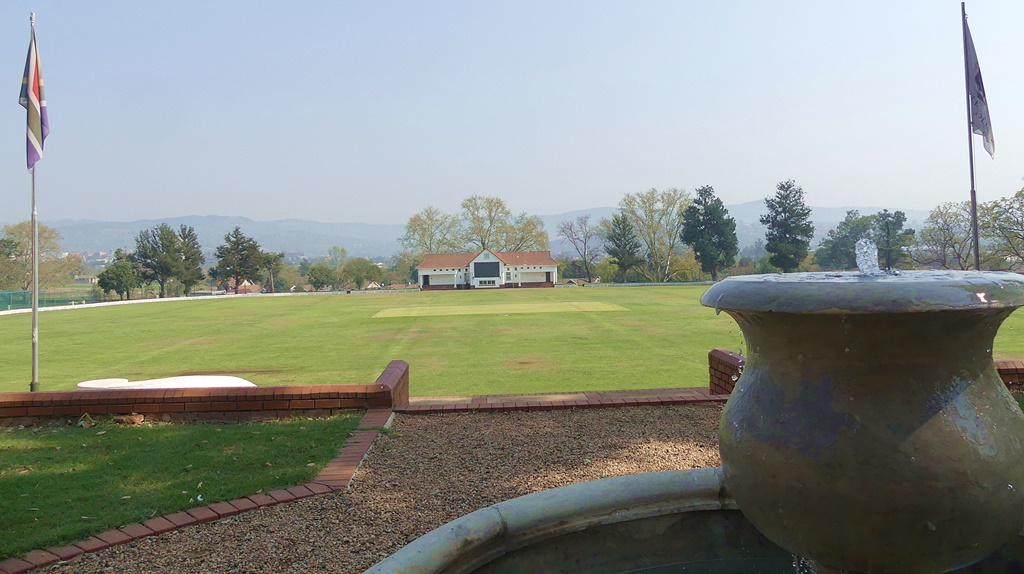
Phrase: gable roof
[445,260]
[520,258]
[458,260]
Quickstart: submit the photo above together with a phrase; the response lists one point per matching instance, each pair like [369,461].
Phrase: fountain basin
[870,430]
[657,523]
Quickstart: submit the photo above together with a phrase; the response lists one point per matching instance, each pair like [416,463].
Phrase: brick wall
[724,369]
[391,389]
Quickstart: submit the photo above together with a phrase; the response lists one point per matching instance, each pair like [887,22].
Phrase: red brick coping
[391,389]
[724,368]
[559,401]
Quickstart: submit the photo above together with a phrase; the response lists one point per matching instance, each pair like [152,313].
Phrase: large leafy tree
[524,233]
[360,271]
[789,226]
[657,218]
[621,244]
[946,241]
[55,266]
[121,276]
[1001,222]
[893,241]
[710,232]
[483,221]
[432,231]
[158,253]
[321,276]
[403,268]
[239,259]
[838,250]
[585,239]
[487,223]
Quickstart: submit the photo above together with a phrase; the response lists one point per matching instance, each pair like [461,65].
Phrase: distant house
[248,287]
[487,270]
[373,285]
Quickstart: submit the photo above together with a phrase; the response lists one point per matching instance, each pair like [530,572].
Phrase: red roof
[446,260]
[521,258]
[459,260]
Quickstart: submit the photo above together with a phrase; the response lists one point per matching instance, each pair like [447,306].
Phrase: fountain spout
[867,257]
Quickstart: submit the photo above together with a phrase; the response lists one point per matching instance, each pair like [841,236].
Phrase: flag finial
[32,18]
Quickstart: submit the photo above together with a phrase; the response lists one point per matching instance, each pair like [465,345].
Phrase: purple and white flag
[34,101]
[980,122]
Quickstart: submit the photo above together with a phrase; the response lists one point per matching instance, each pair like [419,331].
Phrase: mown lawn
[465,342]
[62,484]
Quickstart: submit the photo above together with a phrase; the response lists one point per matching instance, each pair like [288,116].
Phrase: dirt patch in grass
[527,362]
[194,342]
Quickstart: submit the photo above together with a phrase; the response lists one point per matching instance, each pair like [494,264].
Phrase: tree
[158,253]
[621,244]
[321,276]
[239,259]
[892,240]
[708,229]
[287,278]
[789,226]
[121,276]
[585,239]
[190,270]
[432,231]
[360,271]
[336,257]
[946,240]
[838,250]
[10,271]
[55,266]
[487,223]
[483,219]
[1002,222]
[657,218]
[403,268]
[272,264]
[524,233]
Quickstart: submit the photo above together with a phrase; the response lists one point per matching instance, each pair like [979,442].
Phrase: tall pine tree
[710,232]
[622,245]
[789,225]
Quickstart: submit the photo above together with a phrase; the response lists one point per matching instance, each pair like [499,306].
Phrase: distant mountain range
[378,241]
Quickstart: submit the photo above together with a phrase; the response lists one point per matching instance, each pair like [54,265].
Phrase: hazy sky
[371,111]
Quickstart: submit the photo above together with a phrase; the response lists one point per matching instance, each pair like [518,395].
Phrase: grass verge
[59,485]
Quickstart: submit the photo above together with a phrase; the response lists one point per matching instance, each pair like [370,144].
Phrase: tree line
[669,235]
[656,236]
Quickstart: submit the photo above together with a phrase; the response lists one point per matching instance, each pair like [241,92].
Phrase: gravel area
[427,471]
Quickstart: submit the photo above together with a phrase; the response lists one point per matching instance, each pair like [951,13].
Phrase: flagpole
[970,142]
[34,385]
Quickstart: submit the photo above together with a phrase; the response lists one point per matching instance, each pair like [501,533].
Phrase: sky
[369,112]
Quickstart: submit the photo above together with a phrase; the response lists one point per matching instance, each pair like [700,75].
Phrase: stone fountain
[869,433]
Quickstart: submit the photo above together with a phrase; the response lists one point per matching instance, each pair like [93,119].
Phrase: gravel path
[428,471]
